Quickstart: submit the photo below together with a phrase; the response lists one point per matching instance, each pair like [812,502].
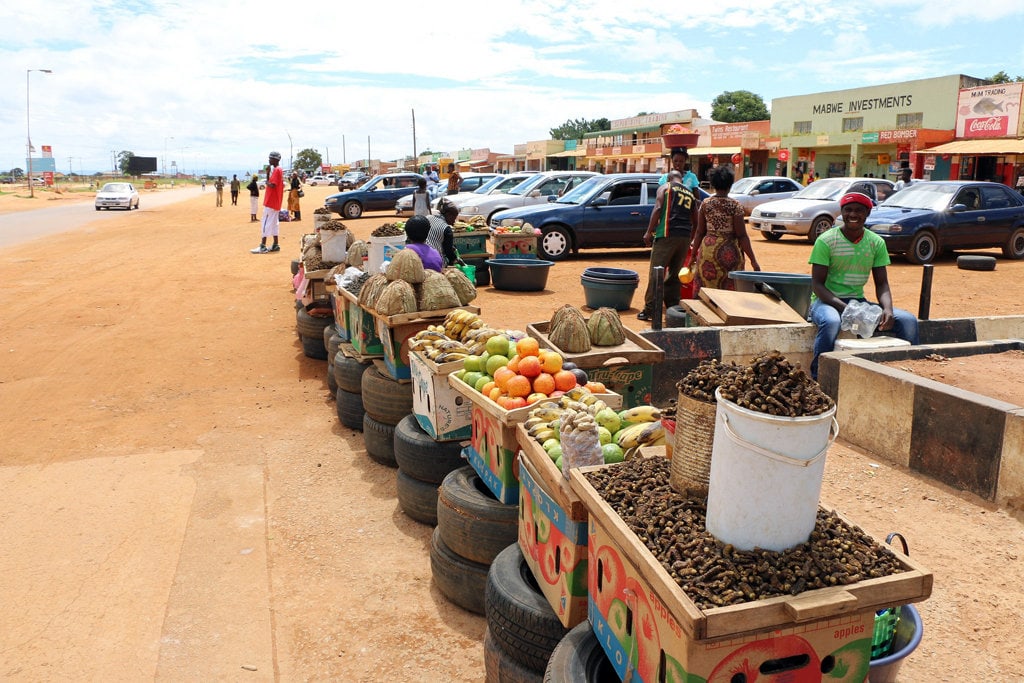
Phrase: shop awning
[700,151]
[570,153]
[976,147]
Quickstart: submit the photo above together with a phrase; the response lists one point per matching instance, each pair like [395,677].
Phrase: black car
[603,211]
[352,180]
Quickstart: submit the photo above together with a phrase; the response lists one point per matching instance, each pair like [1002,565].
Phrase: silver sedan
[756,190]
[117,195]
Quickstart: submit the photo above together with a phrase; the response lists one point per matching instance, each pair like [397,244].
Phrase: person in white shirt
[904,181]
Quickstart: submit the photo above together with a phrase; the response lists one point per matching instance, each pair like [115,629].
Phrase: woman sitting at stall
[416,230]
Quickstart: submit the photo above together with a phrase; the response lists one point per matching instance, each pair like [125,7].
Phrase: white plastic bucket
[379,248]
[766,474]
[334,245]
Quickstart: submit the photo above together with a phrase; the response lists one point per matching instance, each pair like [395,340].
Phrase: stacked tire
[332,340]
[473,527]
[522,628]
[579,658]
[385,402]
[310,329]
[423,464]
[348,398]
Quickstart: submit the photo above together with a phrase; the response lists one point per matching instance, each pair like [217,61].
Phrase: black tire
[313,347]
[923,248]
[385,399]
[970,262]
[295,266]
[1014,248]
[348,373]
[772,236]
[418,499]
[379,439]
[474,523]
[518,615]
[820,225]
[675,316]
[349,407]
[501,668]
[555,243]
[579,658]
[420,457]
[311,325]
[331,341]
[461,581]
[352,210]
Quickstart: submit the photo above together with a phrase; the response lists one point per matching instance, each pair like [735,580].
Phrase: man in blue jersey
[668,235]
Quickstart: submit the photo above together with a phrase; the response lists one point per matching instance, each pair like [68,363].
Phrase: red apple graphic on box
[609,578]
[790,654]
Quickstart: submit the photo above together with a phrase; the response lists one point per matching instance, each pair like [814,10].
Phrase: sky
[214,86]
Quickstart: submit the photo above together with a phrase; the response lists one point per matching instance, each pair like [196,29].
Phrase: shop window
[801,127]
[853,123]
[910,120]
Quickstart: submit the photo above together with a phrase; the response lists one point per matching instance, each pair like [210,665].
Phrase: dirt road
[180,501]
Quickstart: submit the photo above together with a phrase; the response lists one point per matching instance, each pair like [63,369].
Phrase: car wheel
[820,225]
[555,243]
[772,236]
[922,249]
[97,208]
[1015,245]
[972,262]
[352,210]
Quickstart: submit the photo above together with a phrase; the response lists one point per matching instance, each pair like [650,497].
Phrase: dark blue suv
[377,194]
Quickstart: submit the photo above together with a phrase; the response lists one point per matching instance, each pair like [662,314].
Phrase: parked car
[500,184]
[756,190]
[329,179]
[813,210]
[117,195]
[927,218]
[377,194]
[542,187]
[470,182]
[603,211]
[352,180]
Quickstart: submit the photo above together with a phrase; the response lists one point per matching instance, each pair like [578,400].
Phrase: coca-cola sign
[988,127]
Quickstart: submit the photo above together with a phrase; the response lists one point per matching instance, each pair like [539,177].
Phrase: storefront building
[633,145]
[870,131]
[742,146]
[989,142]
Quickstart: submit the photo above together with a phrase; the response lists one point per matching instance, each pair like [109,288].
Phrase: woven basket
[691,451]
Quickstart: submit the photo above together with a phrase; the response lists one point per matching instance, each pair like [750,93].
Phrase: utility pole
[367,151]
[415,159]
[343,149]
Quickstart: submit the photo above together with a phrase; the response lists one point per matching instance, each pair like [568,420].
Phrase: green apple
[471,378]
[549,444]
[460,373]
[556,454]
[484,379]
[497,345]
[495,361]
[473,364]
[609,419]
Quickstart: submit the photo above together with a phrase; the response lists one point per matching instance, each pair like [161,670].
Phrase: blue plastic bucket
[604,293]
[611,273]
[519,274]
[909,630]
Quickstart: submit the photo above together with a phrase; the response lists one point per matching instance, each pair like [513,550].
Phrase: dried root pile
[714,574]
[388,230]
[773,385]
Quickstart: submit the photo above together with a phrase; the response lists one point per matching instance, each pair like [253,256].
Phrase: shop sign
[783,155]
[894,136]
[747,134]
[822,140]
[869,138]
[989,111]
[929,162]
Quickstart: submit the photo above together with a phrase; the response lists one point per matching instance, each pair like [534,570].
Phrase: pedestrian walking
[721,238]
[668,234]
[236,185]
[254,197]
[294,194]
[218,185]
[420,199]
[273,197]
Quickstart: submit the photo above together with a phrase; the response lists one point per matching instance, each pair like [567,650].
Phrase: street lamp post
[291,163]
[165,154]
[28,127]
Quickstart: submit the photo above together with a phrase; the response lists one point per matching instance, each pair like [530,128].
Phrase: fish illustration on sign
[987,106]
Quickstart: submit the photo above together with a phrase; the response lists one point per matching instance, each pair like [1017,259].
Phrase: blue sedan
[376,194]
[927,218]
[603,211]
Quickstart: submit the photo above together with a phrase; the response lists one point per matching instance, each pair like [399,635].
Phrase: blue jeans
[827,320]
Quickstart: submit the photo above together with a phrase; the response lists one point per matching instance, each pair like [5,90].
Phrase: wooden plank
[636,349]
[748,308]
[701,312]
[550,477]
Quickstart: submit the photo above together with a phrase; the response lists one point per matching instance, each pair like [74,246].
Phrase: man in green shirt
[841,260]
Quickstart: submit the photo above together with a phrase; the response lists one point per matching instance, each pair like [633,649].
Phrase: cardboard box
[554,545]
[340,305]
[514,245]
[363,332]
[648,626]
[395,331]
[494,442]
[470,242]
[441,411]
[626,369]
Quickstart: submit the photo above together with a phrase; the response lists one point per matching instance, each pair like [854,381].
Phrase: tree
[17,173]
[739,105]
[1003,77]
[573,129]
[308,160]
[123,159]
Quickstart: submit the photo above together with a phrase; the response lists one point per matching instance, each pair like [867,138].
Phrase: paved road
[19,227]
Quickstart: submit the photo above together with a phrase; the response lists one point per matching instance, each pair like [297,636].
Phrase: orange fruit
[494,394]
[502,375]
[596,387]
[503,401]
[527,346]
[516,402]
[513,363]
[534,397]
[550,361]
[518,386]
[544,383]
[564,380]
[529,366]
[486,388]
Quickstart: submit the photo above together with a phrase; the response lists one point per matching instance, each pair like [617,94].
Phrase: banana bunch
[458,322]
[544,420]
[640,434]
[640,414]
[475,339]
[438,346]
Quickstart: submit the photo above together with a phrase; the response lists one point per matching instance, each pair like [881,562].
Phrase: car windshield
[528,184]
[927,196]
[352,175]
[584,191]
[743,185]
[830,188]
[115,187]
[486,187]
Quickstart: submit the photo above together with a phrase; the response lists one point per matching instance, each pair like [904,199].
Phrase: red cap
[856,198]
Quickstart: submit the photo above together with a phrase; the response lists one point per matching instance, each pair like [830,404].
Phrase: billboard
[140,165]
[42,164]
[989,111]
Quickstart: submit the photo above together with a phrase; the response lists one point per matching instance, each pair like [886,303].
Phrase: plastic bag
[580,447]
[861,318]
[350,275]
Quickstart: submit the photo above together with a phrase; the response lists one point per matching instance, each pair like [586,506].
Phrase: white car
[471,182]
[756,190]
[329,179]
[117,195]
[540,188]
[814,209]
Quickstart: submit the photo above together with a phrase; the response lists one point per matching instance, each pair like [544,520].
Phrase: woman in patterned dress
[721,239]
